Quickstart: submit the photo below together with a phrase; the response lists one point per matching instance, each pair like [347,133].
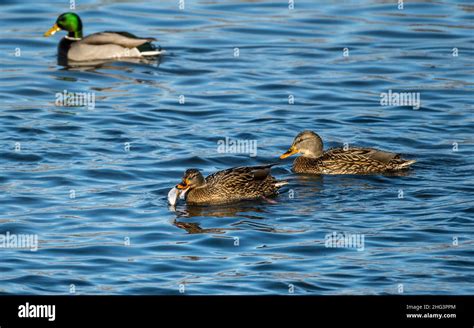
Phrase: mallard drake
[352,160]
[98,46]
[228,186]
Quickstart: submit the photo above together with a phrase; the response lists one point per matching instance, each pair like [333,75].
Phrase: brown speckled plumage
[352,160]
[231,185]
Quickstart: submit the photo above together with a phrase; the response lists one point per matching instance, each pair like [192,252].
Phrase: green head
[68,22]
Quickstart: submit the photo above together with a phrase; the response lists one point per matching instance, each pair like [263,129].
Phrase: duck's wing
[361,154]
[380,155]
[260,172]
[108,45]
[239,175]
[123,39]
[88,52]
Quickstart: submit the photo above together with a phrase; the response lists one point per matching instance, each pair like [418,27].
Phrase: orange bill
[289,152]
[52,30]
[183,185]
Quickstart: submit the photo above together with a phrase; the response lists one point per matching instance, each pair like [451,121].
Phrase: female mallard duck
[98,46]
[227,186]
[340,160]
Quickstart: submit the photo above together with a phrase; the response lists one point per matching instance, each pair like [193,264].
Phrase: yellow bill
[289,152]
[183,185]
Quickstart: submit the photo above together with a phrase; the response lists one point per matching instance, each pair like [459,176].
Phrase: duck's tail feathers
[281,183]
[149,49]
[406,164]
[151,53]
